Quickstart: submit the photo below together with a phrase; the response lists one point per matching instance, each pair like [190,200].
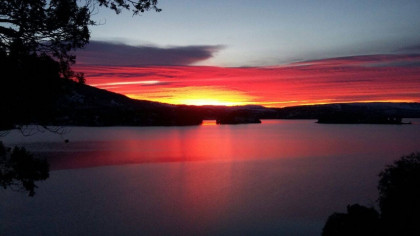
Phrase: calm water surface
[279,178]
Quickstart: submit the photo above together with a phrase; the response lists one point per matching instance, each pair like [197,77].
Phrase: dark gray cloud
[117,54]
[410,49]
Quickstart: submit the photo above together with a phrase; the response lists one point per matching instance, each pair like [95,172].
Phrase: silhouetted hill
[86,105]
[83,105]
[89,106]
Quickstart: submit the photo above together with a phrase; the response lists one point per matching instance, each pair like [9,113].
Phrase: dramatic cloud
[332,80]
[115,54]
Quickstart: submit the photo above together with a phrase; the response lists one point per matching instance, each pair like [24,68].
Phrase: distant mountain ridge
[89,106]
[402,110]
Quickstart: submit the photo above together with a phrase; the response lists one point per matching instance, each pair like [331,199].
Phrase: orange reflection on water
[207,192]
[274,139]
[281,173]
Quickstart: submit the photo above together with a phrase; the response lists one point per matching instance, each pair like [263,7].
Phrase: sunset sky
[271,53]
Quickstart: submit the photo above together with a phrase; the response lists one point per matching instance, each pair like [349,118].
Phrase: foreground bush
[399,203]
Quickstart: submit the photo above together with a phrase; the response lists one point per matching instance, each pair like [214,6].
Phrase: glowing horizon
[198,96]
[374,78]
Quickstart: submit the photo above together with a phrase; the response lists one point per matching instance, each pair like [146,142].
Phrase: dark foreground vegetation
[19,170]
[399,205]
[38,85]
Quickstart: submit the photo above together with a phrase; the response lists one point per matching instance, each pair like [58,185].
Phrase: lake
[281,177]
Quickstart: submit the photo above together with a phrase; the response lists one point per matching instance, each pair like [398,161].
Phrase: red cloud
[347,79]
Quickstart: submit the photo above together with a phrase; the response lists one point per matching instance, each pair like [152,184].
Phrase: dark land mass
[361,118]
[238,117]
[83,105]
[90,106]
[376,110]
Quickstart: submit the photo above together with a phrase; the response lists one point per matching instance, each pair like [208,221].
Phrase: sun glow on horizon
[269,87]
[209,101]
[197,96]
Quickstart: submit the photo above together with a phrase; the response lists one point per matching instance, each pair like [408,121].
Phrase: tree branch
[8,32]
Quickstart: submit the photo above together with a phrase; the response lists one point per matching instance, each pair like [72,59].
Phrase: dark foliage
[399,202]
[19,170]
[43,28]
[358,220]
[36,40]
[29,90]
[399,196]
[54,27]
[136,6]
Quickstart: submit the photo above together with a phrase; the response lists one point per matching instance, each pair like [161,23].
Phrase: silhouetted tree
[358,220]
[36,40]
[19,170]
[399,203]
[135,5]
[53,27]
[399,196]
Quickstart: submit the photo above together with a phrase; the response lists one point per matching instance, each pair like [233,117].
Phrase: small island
[239,117]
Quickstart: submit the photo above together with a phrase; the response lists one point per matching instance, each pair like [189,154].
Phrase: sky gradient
[274,53]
